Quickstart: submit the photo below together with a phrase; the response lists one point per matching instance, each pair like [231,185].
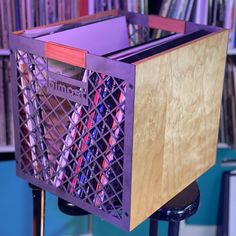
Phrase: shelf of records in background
[21,14]
[227,132]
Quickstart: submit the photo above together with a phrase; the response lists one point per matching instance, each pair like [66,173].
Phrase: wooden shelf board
[223,145]
[232,51]
[4,52]
[7,148]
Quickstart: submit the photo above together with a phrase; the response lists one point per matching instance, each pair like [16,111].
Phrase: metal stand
[72,210]
[153,229]
[173,229]
[38,210]
[90,225]
[182,206]
[179,208]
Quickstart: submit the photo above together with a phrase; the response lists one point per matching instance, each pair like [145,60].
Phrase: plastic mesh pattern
[78,149]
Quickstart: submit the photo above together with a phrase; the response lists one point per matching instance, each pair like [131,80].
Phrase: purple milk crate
[74,121]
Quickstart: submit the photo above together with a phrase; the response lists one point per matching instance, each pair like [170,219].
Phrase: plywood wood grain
[168,24]
[176,118]
[69,55]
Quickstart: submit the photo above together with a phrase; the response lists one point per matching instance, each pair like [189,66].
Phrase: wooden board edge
[183,45]
[168,24]
[66,54]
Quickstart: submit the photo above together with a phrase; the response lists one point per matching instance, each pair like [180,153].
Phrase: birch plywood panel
[176,118]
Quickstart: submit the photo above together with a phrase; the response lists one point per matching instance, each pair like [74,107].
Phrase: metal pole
[90,225]
[173,229]
[153,229]
[38,210]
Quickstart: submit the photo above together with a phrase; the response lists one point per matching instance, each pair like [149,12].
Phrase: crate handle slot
[163,23]
[66,54]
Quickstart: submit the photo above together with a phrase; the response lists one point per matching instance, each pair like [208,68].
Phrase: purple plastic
[191,27]
[18,42]
[129,111]
[74,90]
[114,68]
[136,18]
[25,169]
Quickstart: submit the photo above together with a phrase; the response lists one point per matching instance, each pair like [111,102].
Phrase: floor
[197,230]
[193,230]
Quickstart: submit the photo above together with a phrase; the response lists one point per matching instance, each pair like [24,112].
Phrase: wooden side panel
[176,119]
[69,55]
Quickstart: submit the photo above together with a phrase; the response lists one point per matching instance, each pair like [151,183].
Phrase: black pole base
[70,209]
